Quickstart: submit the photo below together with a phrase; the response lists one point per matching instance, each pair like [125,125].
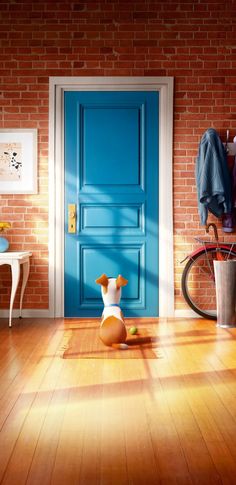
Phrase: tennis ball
[133,330]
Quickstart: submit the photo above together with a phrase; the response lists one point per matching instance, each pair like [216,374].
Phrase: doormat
[87,345]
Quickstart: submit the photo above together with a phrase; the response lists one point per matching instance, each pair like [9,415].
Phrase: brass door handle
[72,218]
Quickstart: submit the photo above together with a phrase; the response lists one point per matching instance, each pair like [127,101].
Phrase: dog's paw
[120,346]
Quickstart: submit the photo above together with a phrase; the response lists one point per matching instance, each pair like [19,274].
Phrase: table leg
[26,269]
[15,272]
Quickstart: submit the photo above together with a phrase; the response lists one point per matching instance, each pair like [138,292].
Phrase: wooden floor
[115,421]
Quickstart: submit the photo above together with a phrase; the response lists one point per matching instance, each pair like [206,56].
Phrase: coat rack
[230,147]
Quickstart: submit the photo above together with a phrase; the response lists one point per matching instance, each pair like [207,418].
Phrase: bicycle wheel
[198,282]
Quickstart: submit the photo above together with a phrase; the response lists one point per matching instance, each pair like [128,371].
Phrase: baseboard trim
[186,314]
[34,313]
[28,313]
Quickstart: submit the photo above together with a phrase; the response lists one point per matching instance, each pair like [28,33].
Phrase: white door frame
[57,86]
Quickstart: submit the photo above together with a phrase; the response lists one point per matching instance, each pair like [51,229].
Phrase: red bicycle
[198,281]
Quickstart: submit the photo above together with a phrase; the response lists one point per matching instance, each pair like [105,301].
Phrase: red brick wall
[194,41]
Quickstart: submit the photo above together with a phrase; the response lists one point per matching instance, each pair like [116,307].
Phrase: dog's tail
[122,346]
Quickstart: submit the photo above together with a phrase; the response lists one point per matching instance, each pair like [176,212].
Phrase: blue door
[111,174]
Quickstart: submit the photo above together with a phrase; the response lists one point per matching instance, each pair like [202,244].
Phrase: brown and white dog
[112,329]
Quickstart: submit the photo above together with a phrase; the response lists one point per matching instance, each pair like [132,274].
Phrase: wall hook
[227,141]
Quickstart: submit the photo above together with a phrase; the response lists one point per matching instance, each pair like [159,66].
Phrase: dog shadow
[146,342]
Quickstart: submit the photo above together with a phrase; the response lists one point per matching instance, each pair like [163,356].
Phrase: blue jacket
[212,177]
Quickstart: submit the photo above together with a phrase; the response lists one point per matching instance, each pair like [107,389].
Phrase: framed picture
[18,161]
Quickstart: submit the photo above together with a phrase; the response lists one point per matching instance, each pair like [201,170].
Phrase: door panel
[111,174]
[110,218]
[104,158]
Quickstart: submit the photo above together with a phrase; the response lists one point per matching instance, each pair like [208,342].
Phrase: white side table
[15,260]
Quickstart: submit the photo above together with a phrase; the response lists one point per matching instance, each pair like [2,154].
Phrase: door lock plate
[71,218]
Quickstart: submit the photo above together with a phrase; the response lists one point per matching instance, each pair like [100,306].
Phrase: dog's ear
[103,281]
[120,281]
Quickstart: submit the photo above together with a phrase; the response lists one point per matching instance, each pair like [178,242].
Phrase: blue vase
[4,244]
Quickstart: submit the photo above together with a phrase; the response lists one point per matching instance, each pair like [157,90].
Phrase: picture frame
[18,161]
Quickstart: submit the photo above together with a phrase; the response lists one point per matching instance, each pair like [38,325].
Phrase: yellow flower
[4,225]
